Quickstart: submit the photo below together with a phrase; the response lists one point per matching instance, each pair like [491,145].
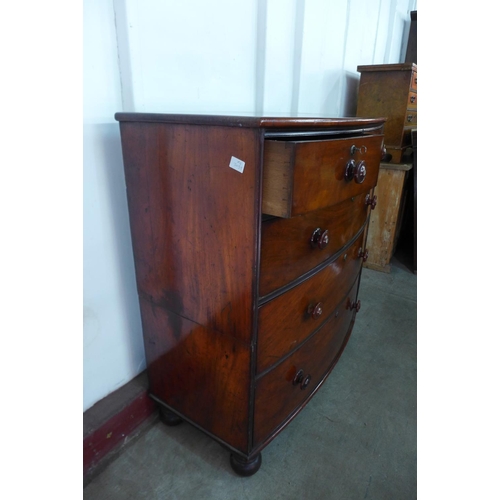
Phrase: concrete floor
[357,438]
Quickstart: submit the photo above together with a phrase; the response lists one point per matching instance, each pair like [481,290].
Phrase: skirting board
[112,422]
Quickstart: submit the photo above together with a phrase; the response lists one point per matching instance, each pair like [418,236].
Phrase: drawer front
[277,397]
[413,84]
[286,249]
[289,319]
[303,176]
[411,118]
[412,100]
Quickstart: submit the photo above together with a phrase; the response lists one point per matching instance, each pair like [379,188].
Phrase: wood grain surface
[286,251]
[285,322]
[194,220]
[276,396]
[311,174]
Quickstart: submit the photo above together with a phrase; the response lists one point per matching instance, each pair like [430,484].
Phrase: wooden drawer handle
[410,118]
[305,382]
[354,305]
[356,171]
[360,172]
[315,310]
[319,238]
[300,379]
[371,201]
[349,170]
[413,99]
[362,254]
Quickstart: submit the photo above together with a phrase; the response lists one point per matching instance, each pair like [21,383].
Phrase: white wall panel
[383,36]
[321,76]
[362,33]
[194,56]
[279,56]
[112,336]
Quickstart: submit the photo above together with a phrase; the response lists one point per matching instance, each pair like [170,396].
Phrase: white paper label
[237,164]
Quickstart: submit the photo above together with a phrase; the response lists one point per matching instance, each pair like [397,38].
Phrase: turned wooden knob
[305,382]
[319,238]
[360,172]
[349,170]
[315,311]
[371,201]
[354,306]
[362,254]
[356,171]
[299,377]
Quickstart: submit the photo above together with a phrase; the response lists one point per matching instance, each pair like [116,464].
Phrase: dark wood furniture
[390,90]
[248,274]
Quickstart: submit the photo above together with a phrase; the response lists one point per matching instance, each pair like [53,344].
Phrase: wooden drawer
[412,100]
[289,319]
[411,118]
[277,398]
[302,176]
[413,84]
[286,250]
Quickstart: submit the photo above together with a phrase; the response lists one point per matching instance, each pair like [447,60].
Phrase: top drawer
[302,176]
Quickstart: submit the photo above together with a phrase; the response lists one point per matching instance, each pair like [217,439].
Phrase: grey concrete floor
[356,439]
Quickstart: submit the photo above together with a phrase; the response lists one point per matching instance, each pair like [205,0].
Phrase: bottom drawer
[281,391]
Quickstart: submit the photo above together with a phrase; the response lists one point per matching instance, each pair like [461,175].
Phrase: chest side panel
[193,220]
[202,374]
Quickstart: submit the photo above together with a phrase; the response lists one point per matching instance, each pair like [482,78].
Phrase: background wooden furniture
[390,90]
[246,310]
[385,222]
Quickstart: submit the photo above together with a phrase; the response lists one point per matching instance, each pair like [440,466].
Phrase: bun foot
[244,467]
[169,418]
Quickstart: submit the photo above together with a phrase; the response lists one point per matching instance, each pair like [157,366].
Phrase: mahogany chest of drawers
[248,237]
[390,90]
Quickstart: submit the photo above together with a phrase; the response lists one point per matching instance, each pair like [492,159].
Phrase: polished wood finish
[191,367]
[276,395]
[390,90]
[385,221]
[286,252]
[213,271]
[285,321]
[303,176]
[264,123]
[180,192]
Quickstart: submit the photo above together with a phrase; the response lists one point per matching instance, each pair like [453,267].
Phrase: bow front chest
[248,237]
